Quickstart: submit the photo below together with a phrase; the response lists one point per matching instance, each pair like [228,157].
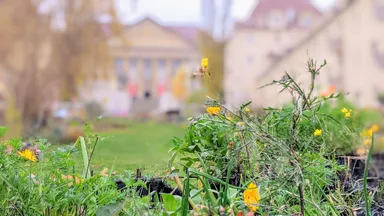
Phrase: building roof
[187,32]
[266,6]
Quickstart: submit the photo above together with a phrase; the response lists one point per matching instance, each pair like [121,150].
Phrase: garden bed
[286,161]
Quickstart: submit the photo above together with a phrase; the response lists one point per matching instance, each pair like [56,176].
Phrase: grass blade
[185,203]
[84,154]
[366,196]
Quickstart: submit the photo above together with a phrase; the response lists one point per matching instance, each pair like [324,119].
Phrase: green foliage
[53,186]
[171,204]
[291,153]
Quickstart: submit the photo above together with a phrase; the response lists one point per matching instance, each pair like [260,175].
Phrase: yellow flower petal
[252,197]
[28,154]
[204,63]
[213,110]
[375,128]
[347,115]
[344,110]
[317,132]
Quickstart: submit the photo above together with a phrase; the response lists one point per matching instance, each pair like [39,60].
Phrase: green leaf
[205,154]
[191,148]
[108,210]
[196,198]
[232,193]
[205,142]
[245,105]
[176,141]
[171,203]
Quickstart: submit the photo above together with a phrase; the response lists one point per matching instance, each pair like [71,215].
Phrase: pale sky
[185,11]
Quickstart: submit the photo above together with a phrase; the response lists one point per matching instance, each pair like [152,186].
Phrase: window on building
[118,64]
[305,20]
[120,73]
[161,74]
[291,14]
[276,19]
[133,69]
[147,69]
[175,66]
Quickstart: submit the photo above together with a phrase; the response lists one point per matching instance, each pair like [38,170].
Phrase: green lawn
[143,145]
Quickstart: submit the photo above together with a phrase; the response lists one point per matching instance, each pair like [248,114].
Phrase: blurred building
[145,60]
[352,43]
[274,29]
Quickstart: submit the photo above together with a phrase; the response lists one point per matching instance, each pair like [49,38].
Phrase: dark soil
[352,181]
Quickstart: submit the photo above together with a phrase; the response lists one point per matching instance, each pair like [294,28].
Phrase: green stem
[366,196]
[30,179]
[85,156]
[90,157]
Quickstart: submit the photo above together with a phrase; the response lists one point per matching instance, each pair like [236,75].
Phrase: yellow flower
[367,142]
[366,133]
[229,118]
[204,63]
[28,154]
[213,110]
[252,196]
[317,132]
[347,115]
[346,112]
[247,109]
[375,128]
